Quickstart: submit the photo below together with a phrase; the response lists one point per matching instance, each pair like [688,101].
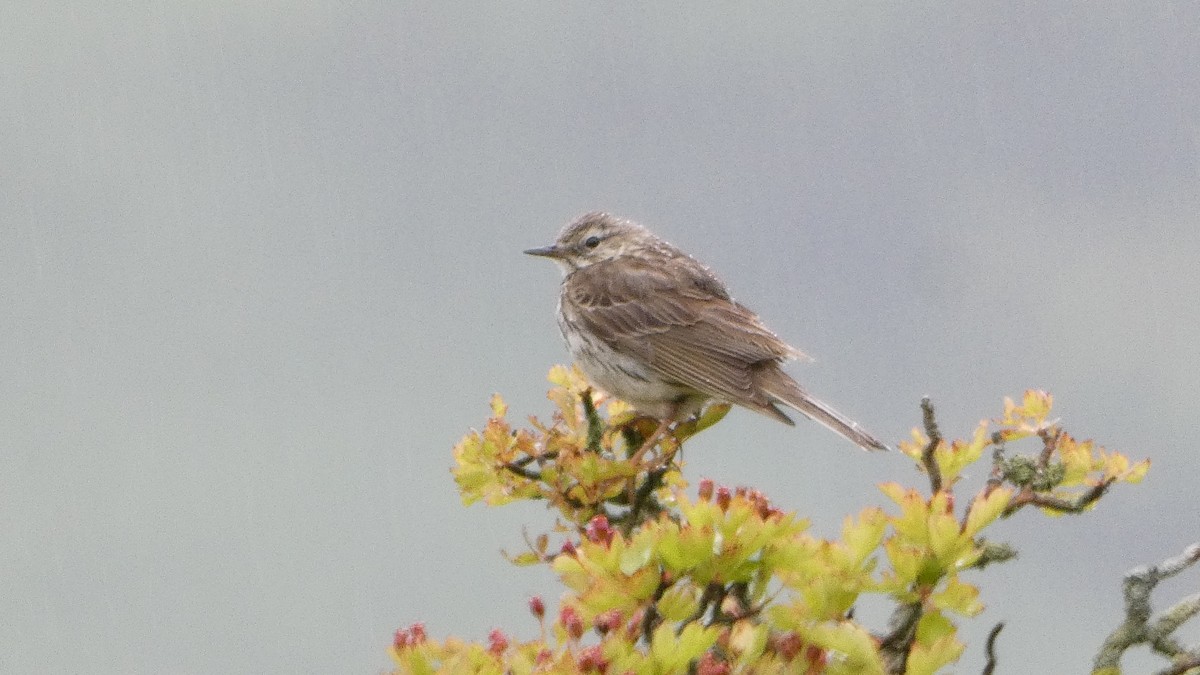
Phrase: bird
[651,325]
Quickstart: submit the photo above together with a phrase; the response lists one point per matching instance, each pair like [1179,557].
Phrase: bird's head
[596,237]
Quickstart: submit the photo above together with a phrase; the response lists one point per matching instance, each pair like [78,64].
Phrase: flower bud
[723,498]
[537,607]
[571,622]
[709,665]
[599,531]
[497,642]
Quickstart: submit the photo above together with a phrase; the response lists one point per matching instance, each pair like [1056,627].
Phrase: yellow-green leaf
[636,556]
[499,408]
[933,626]
[958,597]
[927,659]
[679,602]
[862,536]
[945,540]
[986,509]
[1137,472]
[858,653]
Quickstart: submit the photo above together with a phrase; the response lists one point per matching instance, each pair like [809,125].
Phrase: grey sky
[261,269]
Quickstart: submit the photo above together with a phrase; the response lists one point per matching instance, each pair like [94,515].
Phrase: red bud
[497,642]
[537,607]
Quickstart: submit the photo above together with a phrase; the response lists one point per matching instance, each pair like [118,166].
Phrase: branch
[650,619]
[1080,504]
[595,424]
[518,467]
[643,504]
[894,646]
[935,438]
[711,596]
[1139,628]
[990,666]
[1049,438]
[1182,666]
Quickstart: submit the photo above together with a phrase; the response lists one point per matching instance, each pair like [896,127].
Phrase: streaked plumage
[652,326]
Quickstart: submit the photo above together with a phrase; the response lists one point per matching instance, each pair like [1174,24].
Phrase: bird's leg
[650,442]
[654,438]
[636,458]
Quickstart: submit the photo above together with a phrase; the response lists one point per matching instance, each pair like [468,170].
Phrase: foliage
[658,581]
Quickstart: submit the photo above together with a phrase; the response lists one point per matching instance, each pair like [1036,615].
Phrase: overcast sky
[261,269]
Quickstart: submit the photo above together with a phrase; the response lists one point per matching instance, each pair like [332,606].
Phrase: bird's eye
[592,241]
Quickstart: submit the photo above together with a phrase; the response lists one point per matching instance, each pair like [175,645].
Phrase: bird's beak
[545,252]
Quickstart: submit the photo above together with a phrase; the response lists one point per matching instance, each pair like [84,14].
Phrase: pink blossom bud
[497,642]
[537,607]
[591,660]
[723,498]
[571,622]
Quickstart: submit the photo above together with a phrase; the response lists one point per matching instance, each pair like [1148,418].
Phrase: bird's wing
[680,321]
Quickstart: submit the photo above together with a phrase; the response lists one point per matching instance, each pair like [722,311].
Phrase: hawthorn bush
[660,578]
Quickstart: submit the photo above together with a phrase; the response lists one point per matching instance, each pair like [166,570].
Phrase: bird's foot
[655,463]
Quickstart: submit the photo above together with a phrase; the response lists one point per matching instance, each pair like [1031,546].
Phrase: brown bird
[652,326]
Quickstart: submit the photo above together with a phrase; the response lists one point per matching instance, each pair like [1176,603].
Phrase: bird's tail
[778,385]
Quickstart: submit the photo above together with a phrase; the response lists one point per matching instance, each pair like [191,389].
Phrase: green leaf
[856,646]
[711,415]
[907,560]
[679,602]
[571,571]
[499,408]
[934,626]
[945,539]
[695,640]
[863,536]
[637,556]
[914,512]
[927,659]
[984,510]
[526,559]
[958,597]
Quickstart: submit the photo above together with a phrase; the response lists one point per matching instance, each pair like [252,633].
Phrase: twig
[518,468]
[935,438]
[1028,496]
[990,667]
[1050,437]
[643,501]
[996,477]
[1182,666]
[712,594]
[595,424]
[650,618]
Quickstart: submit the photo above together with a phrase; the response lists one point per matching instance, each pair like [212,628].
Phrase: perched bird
[650,325]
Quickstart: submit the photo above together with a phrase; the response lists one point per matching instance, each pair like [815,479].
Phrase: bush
[663,579]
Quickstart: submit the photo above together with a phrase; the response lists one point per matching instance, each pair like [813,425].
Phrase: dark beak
[545,252]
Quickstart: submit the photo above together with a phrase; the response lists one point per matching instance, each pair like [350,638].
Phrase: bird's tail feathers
[780,386]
